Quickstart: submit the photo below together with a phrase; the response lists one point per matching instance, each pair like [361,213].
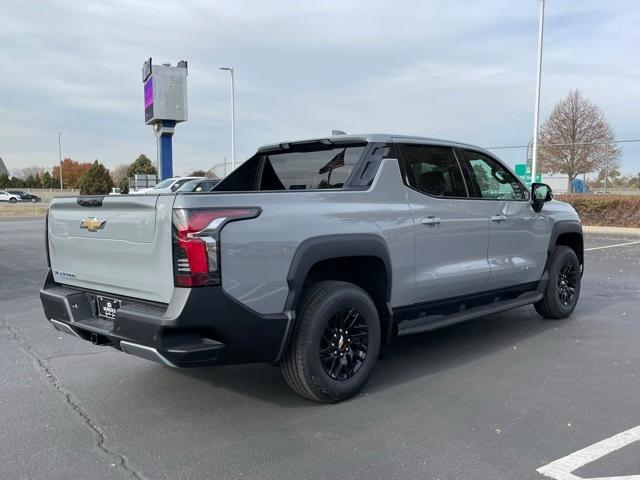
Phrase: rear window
[309,170]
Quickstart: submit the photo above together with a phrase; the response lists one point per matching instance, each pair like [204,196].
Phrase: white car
[167,186]
[8,197]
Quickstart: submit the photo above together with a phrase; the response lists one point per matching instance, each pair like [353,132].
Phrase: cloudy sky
[462,70]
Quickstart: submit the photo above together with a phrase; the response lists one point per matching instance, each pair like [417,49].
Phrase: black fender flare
[327,247]
[559,228]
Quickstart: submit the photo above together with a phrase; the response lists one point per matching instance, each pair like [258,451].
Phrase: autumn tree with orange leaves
[71,172]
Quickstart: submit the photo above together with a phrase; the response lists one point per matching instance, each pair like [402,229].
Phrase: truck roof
[366,137]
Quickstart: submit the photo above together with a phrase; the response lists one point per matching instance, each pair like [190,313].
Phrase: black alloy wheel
[562,291]
[344,344]
[567,284]
[335,342]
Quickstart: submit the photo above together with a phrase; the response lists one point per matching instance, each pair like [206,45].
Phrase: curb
[634,232]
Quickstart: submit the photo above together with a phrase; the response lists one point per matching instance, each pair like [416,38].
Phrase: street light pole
[60,159]
[536,113]
[233,117]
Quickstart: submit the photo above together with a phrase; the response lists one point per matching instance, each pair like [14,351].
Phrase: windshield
[189,186]
[165,183]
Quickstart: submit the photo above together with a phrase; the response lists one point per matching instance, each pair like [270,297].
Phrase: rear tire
[335,344]
[563,289]
[12,200]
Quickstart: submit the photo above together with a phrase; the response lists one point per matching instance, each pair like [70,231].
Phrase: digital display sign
[148,100]
[165,92]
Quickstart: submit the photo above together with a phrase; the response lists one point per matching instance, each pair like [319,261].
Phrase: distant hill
[3,168]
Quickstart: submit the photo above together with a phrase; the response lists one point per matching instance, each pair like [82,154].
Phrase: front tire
[335,344]
[12,200]
[563,289]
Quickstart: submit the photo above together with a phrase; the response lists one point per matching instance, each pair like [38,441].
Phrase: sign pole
[536,113]
[164,133]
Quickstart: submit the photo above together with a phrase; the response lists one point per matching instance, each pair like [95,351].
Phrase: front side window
[433,170]
[490,179]
[179,183]
[308,170]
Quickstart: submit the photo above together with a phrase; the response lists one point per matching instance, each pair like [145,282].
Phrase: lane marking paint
[561,469]
[612,246]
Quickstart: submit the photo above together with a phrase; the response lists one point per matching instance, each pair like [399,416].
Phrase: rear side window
[433,170]
[490,179]
[243,178]
[309,170]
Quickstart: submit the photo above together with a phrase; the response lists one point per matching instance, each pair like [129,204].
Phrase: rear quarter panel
[256,254]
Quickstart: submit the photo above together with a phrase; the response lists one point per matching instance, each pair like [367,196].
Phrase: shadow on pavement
[405,360]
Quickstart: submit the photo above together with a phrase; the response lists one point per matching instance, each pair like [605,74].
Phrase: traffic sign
[523,171]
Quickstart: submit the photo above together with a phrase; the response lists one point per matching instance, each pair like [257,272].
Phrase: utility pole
[536,113]
[233,118]
[60,159]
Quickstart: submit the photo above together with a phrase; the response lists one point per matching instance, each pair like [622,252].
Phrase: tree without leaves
[96,181]
[119,173]
[25,172]
[576,139]
[120,177]
[613,176]
[198,173]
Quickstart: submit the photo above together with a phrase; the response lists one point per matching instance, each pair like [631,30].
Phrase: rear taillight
[196,243]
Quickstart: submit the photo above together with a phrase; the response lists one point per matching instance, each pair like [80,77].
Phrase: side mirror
[540,193]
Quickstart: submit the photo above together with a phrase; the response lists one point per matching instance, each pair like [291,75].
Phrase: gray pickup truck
[311,256]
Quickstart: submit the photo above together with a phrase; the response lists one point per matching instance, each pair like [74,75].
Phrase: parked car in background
[115,191]
[25,197]
[9,197]
[167,186]
[199,185]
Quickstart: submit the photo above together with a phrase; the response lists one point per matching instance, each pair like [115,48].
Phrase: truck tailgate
[122,246]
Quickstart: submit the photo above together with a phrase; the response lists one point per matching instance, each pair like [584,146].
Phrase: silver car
[312,255]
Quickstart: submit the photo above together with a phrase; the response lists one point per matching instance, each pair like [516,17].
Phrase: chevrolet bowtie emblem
[93,224]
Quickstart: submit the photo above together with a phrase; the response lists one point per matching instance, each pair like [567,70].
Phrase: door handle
[499,218]
[431,220]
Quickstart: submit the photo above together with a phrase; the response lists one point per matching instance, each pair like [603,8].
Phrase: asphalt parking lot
[495,398]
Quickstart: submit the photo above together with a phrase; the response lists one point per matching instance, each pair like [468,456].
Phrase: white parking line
[561,469]
[612,246]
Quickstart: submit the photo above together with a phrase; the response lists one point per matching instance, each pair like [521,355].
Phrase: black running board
[431,322]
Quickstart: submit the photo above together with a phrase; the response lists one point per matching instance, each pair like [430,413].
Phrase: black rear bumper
[199,327]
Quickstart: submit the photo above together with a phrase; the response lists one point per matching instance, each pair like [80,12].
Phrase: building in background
[3,168]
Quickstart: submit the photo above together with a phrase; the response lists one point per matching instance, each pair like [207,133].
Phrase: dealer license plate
[107,307]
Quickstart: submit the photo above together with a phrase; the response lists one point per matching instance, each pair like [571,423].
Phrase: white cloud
[462,70]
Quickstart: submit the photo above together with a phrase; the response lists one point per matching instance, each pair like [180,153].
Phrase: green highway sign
[524,172]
